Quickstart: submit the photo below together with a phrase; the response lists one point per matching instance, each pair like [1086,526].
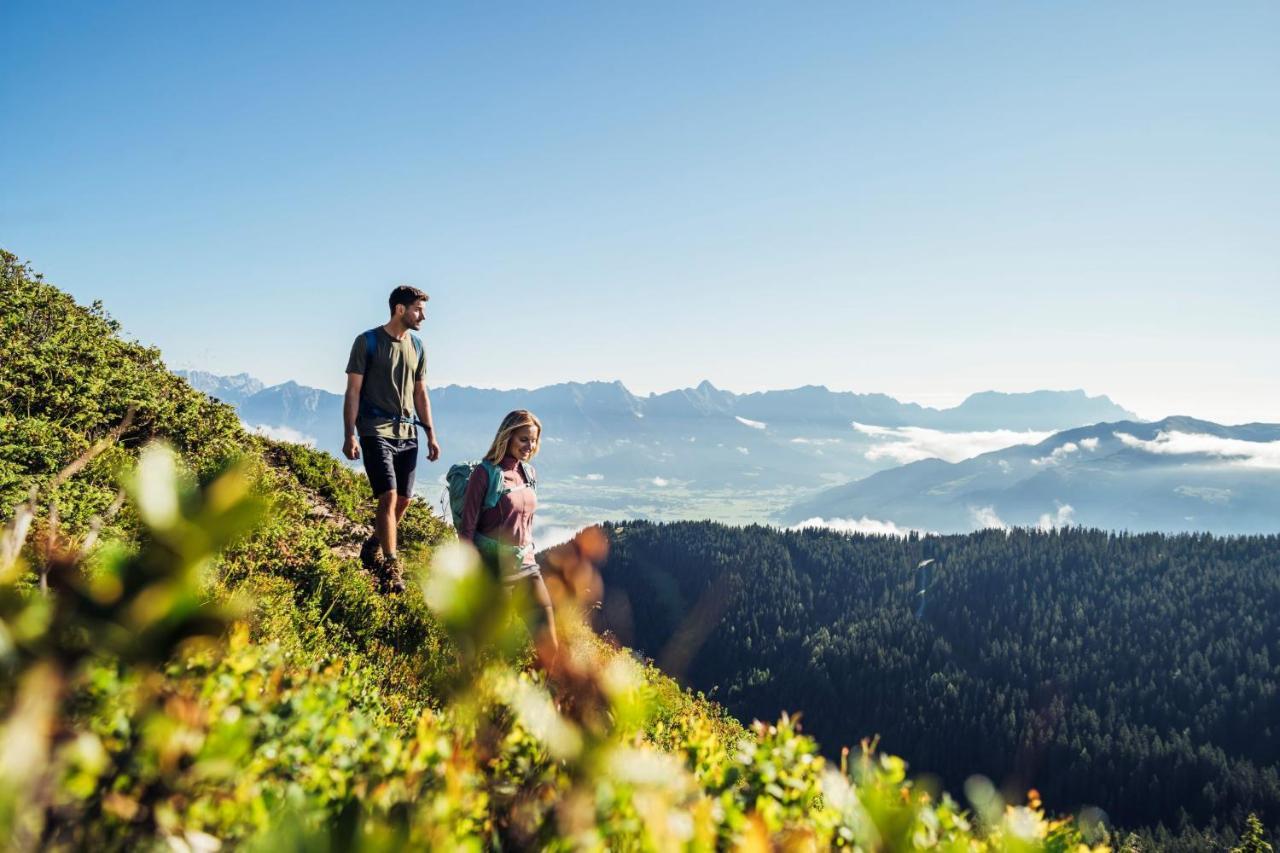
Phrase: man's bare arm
[350,408]
[422,403]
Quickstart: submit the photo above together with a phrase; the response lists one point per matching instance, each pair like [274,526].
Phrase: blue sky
[922,199]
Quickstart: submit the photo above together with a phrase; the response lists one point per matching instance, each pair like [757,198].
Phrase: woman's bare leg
[540,617]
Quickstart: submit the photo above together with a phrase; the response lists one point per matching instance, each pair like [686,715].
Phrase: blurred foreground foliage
[192,659]
[135,719]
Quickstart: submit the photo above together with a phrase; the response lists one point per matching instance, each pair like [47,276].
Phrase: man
[386,385]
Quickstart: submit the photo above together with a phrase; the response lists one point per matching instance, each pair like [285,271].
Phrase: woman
[503,533]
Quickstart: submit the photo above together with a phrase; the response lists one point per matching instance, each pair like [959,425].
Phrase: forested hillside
[1137,673]
[192,659]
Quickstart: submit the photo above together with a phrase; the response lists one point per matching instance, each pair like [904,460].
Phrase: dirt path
[348,535]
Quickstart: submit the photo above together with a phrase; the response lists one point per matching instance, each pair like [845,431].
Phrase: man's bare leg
[379,536]
[385,522]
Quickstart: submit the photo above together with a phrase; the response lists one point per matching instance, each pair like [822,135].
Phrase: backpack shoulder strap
[417,349]
[530,476]
[370,347]
[370,350]
[496,489]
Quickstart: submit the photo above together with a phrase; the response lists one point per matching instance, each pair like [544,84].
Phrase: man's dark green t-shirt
[388,383]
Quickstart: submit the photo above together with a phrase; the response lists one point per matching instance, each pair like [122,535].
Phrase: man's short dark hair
[406,296]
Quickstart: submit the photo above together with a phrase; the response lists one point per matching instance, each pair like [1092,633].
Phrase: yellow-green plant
[135,608]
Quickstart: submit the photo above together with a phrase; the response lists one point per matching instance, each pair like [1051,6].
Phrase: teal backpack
[460,474]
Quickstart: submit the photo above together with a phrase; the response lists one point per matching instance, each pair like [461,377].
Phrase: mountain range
[798,438]
[1177,474]
[810,455]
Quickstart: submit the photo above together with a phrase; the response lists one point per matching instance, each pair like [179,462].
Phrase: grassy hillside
[193,658]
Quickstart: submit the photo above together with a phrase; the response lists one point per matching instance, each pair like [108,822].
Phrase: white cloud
[1238,453]
[985,516]
[545,536]
[594,477]
[1058,454]
[658,481]
[1005,465]
[1207,494]
[815,441]
[750,423]
[1063,451]
[744,451]
[282,433]
[1061,518]
[861,525]
[911,444]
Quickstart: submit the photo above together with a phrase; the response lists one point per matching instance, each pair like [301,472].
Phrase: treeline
[1136,673]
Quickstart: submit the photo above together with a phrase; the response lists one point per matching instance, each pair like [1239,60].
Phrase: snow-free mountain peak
[1033,409]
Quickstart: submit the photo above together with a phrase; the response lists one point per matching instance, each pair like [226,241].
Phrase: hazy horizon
[938,401]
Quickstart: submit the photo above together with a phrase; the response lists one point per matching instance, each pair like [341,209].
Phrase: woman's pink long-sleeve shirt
[511,521]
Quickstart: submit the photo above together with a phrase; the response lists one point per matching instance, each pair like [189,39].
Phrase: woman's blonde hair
[519,419]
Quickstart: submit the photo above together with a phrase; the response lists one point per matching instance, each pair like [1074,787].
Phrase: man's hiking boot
[391,574]
[369,553]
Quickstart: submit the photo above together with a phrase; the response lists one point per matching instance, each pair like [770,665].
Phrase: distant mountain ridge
[228,389]
[1031,410]
[598,402]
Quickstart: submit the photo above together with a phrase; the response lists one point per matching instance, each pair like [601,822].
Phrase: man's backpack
[371,345]
[460,475]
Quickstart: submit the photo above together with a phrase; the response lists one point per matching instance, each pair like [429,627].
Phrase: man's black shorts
[390,463]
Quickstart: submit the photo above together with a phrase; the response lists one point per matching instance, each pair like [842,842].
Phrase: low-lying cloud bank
[1208,494]
[1058,454]
[1061,518]
[985,517]
[553,533]
[281,433]
[861,525]
[911,444]
[1063,451]
[1263,455]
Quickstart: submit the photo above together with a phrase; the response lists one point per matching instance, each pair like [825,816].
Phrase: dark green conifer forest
[1133,672]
